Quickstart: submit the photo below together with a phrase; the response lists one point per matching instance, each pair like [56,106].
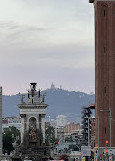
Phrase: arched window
[32,123]
[104,10]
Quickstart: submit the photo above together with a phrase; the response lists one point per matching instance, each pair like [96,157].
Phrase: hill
[60,102]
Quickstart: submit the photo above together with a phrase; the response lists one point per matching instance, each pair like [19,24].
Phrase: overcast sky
[46,41]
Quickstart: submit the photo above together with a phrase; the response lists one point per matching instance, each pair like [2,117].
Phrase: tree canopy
[9,137]
[50,135]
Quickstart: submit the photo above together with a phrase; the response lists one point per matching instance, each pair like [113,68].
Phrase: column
[40,120]
[22,127]
[43,127]
[37,122]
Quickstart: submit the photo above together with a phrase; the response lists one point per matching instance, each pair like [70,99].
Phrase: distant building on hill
[61,121]
[52,86]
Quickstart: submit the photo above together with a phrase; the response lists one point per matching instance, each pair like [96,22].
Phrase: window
[104,49]
[105,89]
[105,130]
[104,12]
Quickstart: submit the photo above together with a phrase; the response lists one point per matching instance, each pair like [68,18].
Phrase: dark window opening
[104,50]
[28,95]
[105,89]
[39,121]
[105,130]
[40,142]
[32,92]
[45,152]
[104,12]
[32,100]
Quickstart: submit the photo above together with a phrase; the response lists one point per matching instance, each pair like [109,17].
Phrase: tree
[9,137]
[50,135]
[69,139]
[74,147]
[7,142]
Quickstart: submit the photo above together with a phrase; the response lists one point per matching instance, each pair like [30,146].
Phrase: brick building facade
[69,128]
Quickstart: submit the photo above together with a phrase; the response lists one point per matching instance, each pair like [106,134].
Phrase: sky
[46,41]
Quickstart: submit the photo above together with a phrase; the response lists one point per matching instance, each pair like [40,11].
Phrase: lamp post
[110,126]
[98,135]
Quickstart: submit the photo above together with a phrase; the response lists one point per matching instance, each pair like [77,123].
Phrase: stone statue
[32,135]
[22,98]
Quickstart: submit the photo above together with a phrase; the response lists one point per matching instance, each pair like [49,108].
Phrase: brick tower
[105,72]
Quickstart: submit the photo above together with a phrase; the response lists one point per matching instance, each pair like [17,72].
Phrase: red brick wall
[105,70]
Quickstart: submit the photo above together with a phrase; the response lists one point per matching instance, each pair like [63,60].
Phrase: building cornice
[92,1]
[32,106]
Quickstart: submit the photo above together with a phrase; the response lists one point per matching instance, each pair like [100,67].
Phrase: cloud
[10,25]
[12,32]
[70,56]
[46,40]
[35,24]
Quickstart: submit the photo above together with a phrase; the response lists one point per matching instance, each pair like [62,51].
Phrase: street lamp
[98,135]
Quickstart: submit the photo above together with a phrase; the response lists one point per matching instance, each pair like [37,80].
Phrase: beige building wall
[71,127]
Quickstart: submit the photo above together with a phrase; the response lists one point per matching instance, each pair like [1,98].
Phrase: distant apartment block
[76,134]
[71,127]
[59,133]
[86,125]
[11,121]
